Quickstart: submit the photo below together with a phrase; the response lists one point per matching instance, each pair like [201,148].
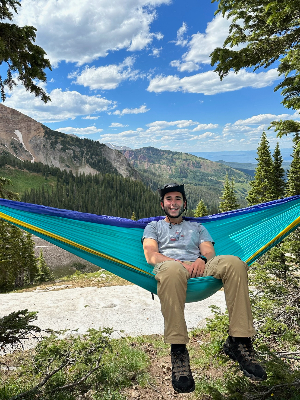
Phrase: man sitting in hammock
[180,249]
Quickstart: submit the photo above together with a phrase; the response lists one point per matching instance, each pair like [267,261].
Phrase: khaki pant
[172,280]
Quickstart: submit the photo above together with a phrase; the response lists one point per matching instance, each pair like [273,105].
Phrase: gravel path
[129,310]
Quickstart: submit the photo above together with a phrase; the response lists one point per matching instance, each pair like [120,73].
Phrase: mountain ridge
[29,140]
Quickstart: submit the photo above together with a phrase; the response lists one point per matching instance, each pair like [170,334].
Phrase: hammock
[115,243]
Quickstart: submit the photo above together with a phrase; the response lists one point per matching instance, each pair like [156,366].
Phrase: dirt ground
[160,371]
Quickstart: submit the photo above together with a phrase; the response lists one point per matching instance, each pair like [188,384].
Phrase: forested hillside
[106,194]
[204,179]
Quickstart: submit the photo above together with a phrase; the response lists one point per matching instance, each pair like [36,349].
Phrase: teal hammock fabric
[115,243]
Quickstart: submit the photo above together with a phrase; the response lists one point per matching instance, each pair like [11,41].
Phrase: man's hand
[196,268]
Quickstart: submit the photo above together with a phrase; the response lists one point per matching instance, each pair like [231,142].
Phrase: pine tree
[228,199]
[263,184]
[293,182]
[201,209]
[278,173]
[17,261]
[44,272]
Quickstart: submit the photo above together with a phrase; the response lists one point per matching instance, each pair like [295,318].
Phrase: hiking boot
[240,349]
[182,378]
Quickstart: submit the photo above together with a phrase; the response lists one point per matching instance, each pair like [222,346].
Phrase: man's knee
[226,265]
[236,262]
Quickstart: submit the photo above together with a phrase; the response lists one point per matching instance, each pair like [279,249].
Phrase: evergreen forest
[103,193]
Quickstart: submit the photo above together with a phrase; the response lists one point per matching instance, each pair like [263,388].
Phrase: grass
[121,365]
[23,179]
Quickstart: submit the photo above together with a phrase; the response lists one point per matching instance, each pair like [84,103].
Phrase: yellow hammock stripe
[70,242]
[282,233]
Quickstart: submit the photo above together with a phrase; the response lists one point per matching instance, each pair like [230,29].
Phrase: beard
[180,211]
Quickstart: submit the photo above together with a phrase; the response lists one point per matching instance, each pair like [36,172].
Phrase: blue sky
[137,73]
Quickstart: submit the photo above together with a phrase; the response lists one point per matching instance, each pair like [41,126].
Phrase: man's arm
[151,252]
[207,250]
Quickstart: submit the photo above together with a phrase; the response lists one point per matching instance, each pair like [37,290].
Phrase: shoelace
[247,351]
[180,363]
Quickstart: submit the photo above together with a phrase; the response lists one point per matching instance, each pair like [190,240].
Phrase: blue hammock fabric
[114,243]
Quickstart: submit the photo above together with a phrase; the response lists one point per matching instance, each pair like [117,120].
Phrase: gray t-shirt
[181,241]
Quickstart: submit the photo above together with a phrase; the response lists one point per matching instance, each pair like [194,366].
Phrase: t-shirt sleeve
[204,235]
[150,232]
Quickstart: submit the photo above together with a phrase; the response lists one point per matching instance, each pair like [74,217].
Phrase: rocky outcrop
[29,140]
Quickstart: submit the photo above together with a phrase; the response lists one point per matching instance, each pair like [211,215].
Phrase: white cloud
[155,52]
[64,104]
[262,119]
[158,133]
[189,66]
[84,30]
[203,136]
[181,135]
[139,110]
[202,127]
[247,133]
[117,125]
[202,44]
[90,117]
[159,125]
[90,130]
[107,77]
[209,82]
[180,35]
[142,40]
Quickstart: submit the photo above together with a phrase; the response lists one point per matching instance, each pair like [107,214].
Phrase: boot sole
[184,391]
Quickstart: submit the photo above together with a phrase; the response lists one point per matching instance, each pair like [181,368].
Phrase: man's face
[173,204]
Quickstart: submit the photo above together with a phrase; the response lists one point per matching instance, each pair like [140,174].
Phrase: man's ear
[162,204]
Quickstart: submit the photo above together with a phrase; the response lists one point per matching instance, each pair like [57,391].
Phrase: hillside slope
[29,140]
[203,178]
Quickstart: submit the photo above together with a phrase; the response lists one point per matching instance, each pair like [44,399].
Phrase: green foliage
[263,184]
[17,260]
[284,128]
[278,174]
[293,181]
[92,366]
[21,55]
[15,327]
[18,265]
[201,209]
[266,32]
[228,199]
[44,273]
[98,194]
[6,193]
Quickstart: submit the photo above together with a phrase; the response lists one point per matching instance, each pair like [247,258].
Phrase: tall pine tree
[262,187]
[228,199]
[17,261]
[293,182]
[278,173]
[201,209]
